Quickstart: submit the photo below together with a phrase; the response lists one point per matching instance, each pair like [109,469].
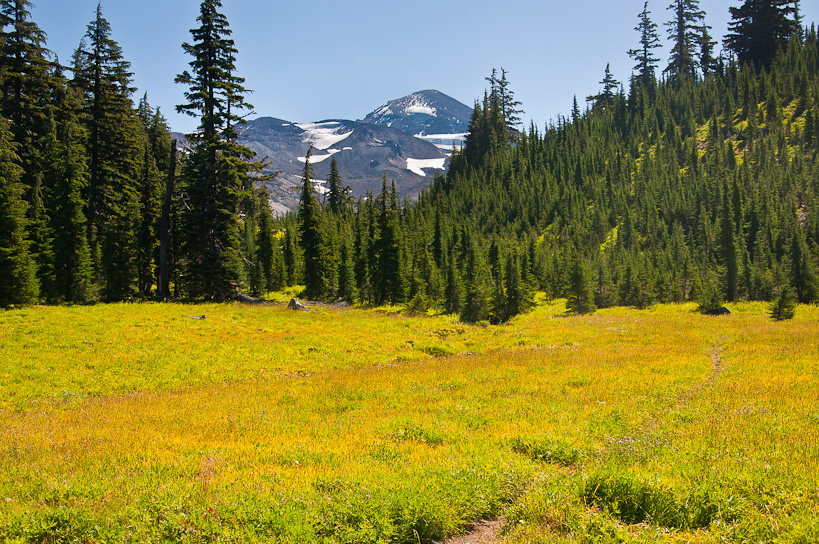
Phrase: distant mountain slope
[364,153]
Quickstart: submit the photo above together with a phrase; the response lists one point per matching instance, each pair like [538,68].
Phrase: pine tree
[580,298]
[685,33]
[575,110]
[759,28]
[216,170]
[476,301]
[150,186]
[17,268]
[312,235]
[268,253]
[519,296]
[291,256]
[607,96]
[729,252]
[103,77]
[363,250]
[336,198]
[509,107]
[27,82]
[644,55]
[254,272]
[425,281]
[390,277]
[453,288]
[710,296]
[708,64]
[347,289]
[784,307]
[71,269]
[804,275]
[169,217]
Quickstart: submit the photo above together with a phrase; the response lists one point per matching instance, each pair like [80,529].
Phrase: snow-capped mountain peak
[423,113]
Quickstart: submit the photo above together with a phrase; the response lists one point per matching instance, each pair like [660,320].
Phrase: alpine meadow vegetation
[258,424]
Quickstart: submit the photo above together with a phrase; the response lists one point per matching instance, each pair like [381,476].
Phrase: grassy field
[138,423]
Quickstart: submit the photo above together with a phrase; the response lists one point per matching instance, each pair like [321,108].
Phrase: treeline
[698,183]
[96,202]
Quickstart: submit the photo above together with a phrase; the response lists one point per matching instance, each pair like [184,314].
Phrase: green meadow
[147,423]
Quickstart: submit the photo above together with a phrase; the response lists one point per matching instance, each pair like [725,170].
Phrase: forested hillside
[698,182]
[699,185]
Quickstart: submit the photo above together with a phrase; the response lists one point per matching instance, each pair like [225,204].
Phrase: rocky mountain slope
[364,153]
[407,139]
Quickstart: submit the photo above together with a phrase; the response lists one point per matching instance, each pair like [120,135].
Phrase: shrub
[546,450]
[635,501]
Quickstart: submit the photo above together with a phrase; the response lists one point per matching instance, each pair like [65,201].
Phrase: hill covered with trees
[700,185]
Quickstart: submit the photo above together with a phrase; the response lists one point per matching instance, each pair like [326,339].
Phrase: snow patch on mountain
[324,135]
[315,159]
[319,186]
[422,109]
[416,166]
[445,142]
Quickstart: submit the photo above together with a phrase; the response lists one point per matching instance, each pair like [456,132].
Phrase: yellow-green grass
[69,353]
[261,424]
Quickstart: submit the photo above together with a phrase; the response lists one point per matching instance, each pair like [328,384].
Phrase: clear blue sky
[308,61]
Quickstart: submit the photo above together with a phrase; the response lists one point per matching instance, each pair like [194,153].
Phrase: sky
[323,59]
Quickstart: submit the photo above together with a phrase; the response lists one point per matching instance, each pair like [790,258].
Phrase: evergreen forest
[695,181]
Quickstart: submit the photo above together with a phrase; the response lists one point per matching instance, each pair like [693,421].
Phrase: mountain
[430,115]
[407,139]
[364,153]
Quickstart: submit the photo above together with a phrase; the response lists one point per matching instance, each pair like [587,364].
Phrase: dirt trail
[485,532]
[716,359]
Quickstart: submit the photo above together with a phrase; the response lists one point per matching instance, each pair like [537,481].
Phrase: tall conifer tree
[71,270]
[685,33]
[103,77]
[607,96]
[312,235]
[150,188]
[503,96]
[216,170]
[27,83]
[268,254]
[390,280]
[580,297]
[17,268]
[336,198]
[644,55]
[804,273]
